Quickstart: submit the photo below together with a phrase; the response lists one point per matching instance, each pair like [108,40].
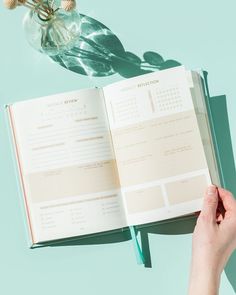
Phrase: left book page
[67,166]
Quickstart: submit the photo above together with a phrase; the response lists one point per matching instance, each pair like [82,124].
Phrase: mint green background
[198,34]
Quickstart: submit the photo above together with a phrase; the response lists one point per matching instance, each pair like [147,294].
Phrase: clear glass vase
[55,35]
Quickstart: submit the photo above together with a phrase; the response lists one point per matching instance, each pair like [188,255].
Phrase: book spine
[19,174]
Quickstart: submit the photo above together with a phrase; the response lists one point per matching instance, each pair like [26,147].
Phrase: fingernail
[211,190]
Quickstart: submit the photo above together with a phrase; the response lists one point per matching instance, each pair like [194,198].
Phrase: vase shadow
[99,53]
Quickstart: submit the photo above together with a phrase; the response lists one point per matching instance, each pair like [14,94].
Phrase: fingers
[210,203]
[227,198]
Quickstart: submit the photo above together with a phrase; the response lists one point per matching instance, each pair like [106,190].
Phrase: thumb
[210,202]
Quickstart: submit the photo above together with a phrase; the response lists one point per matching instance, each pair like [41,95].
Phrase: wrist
[209,262]
[204,278]
[206,272]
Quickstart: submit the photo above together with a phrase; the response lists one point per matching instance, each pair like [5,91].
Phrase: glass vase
[55,35]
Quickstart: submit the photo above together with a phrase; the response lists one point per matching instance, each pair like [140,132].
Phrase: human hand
[214,240]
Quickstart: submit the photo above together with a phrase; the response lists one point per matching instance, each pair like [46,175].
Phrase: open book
[94,160]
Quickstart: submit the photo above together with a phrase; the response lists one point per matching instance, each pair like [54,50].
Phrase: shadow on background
[177,226]
[220,119]
[116,236]
[186,224]
[100,53]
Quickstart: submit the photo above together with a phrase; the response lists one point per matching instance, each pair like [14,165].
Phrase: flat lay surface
[197,35]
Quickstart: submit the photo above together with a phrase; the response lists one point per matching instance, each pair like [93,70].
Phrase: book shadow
[218,107]
[98,52]
[115,236]
[177,226]
[183,225]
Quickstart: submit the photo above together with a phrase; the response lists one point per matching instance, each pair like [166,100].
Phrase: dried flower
[10,4]
[68,5]
[21,2]
[45,9]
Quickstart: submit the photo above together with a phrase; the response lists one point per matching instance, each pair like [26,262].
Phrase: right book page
[158,146]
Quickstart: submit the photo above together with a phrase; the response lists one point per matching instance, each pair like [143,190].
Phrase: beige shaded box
[144,200]
[186,190]
[73,181]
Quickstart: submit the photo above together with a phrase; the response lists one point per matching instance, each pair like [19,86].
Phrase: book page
[160,157]
[67,164]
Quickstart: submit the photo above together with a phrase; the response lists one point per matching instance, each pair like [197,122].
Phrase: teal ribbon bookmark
[137,248]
